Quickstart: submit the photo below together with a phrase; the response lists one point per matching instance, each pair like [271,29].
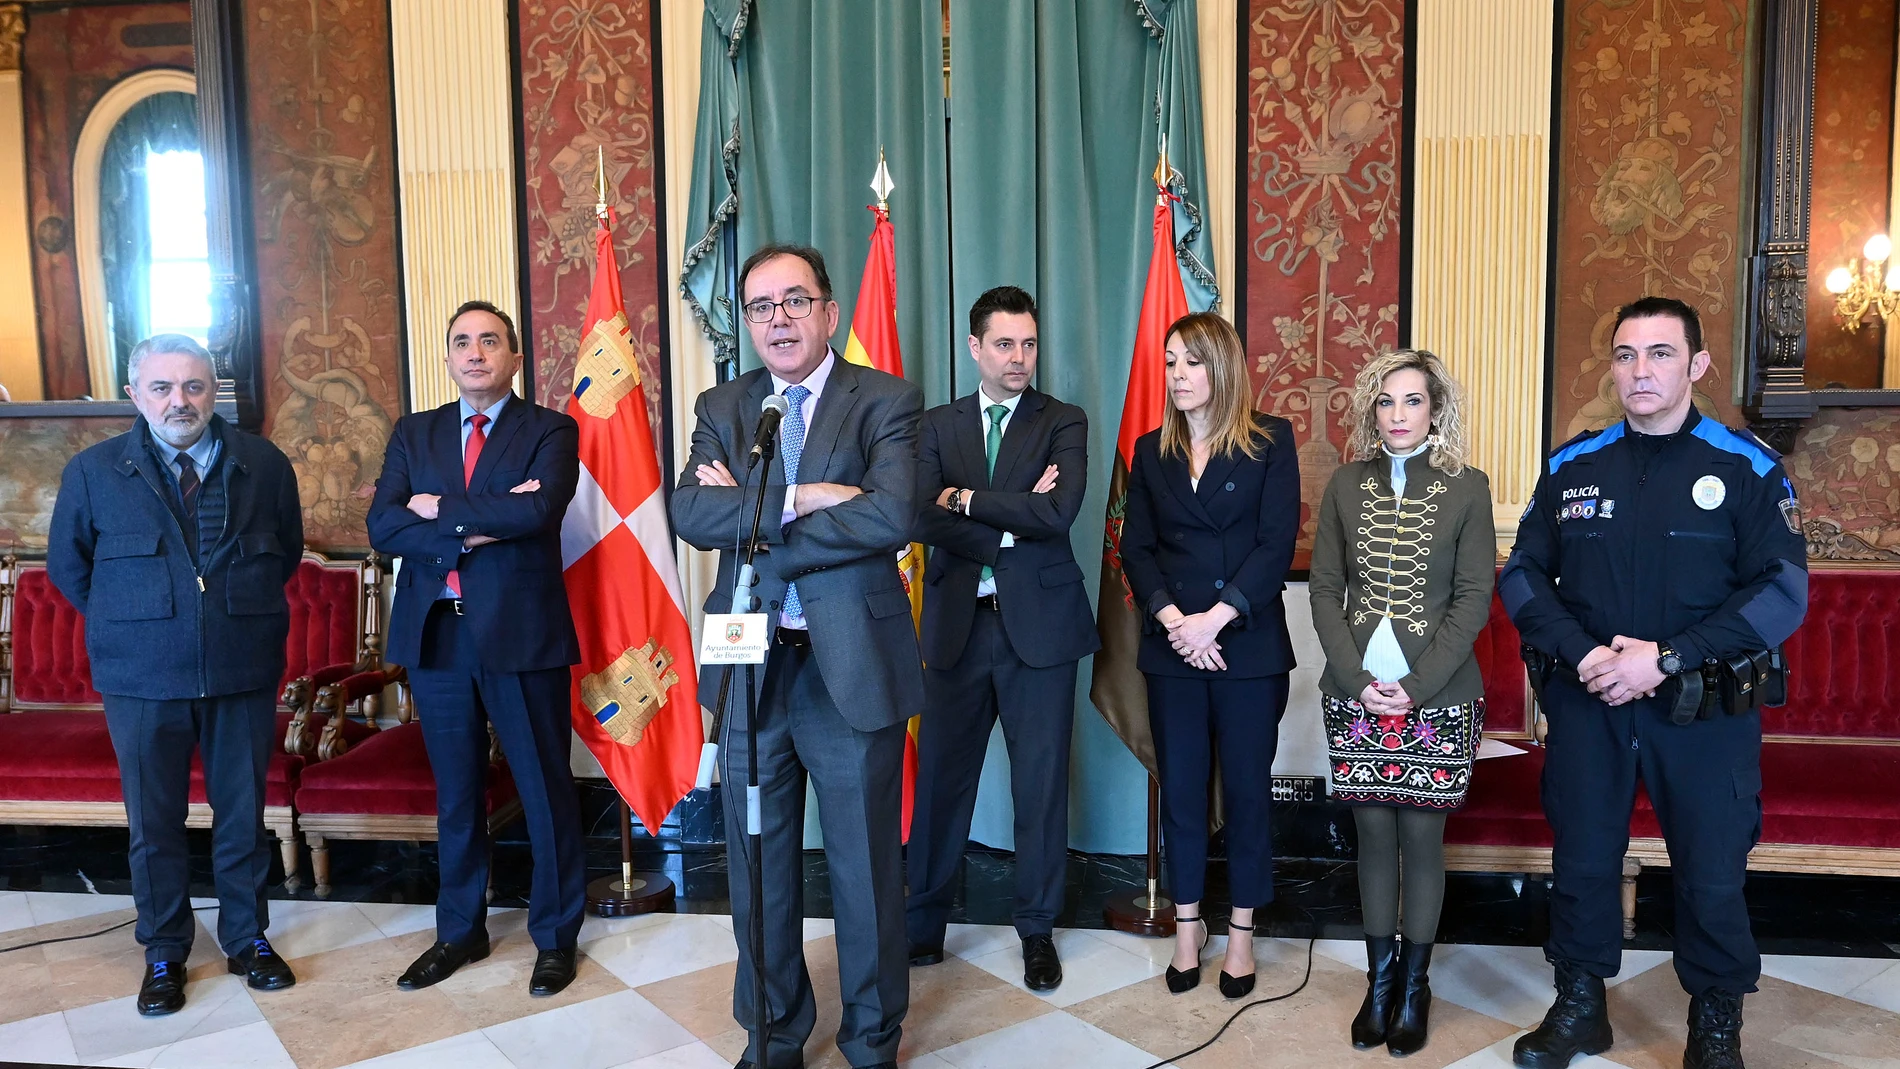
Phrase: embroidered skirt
[1421,759]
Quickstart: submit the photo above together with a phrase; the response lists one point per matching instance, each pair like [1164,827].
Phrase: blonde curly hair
[1449,443]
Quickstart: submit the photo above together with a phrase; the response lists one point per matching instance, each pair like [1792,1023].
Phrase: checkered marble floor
[655,993]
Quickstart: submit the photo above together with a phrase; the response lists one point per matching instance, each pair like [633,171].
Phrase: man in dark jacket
[188,529]
[1002,472]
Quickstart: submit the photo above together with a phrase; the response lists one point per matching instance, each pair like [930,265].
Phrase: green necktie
[992,442]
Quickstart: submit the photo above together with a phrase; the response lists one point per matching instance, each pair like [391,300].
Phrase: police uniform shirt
[1692,538]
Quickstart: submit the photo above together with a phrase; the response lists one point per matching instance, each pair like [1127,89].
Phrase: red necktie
[471,452]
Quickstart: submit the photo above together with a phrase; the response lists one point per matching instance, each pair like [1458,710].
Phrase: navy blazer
[1039,585]
[512,590]
[1231,540]
[158,625]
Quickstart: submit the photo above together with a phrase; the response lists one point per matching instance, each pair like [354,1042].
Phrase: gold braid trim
[1394,543]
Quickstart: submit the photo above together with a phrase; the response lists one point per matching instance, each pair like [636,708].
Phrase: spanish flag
[873,343]
[634,701]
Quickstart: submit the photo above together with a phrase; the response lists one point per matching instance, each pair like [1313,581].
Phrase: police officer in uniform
[1659,563]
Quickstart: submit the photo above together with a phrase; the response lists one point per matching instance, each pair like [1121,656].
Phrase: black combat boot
[1410,1016]
[1715,1032]
[1578,1023]
[1382,991]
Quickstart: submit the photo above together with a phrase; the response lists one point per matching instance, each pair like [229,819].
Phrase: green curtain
[1053,147]
[816,88]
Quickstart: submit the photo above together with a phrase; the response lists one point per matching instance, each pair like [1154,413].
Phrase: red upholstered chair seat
[388,775]
[1844,660]
[68,757]
[1502,668]
[1503,806]
[1829,795]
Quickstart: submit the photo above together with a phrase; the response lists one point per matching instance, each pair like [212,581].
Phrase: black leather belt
[796,637]
[988,603]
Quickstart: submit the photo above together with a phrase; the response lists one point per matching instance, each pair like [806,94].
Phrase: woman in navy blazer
[1213,511]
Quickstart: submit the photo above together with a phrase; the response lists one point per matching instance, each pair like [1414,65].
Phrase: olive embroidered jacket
[1428,560]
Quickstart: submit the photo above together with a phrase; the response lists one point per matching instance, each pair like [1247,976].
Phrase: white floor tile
[1050,1040]
[398,918]
[470,1050]
[593,927]
[1090,967]
[690,1056]
[1512,984]
[1345,951]
[15,913]
[299,929]
[1836,976]
[969,941]
[1498,1055]
[51,907]
[1635,963]
[1882,989]
[683,943]
[114,1029]
[928,1061]
[589,1035]
[252,1046]
[819,928]
[45,1038]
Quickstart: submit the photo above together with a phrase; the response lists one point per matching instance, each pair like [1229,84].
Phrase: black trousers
[858,778]
[455,700]
[1191,718]
[154,741]
[1705,782]
[961,705]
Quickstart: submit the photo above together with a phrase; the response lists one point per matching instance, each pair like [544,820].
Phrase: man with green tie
[1001,476]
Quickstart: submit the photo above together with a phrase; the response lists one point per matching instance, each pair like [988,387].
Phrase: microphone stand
[743,584]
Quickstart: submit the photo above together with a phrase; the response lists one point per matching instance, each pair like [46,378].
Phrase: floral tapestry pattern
[587,83]
[1649,166]
[1851,185]
[1846,467]
[324,200]
[1324,99]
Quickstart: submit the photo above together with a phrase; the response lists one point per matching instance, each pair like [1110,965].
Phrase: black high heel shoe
[1181,981]
[1237,986]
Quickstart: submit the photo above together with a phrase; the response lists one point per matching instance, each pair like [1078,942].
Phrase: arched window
[139,204]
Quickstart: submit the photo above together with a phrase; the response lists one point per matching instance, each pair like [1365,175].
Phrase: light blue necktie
[791,447]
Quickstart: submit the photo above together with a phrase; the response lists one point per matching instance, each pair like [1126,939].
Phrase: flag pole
[651,892]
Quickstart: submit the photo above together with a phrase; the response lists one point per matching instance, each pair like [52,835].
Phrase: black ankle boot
[1715,1032]
[1382,991]
[1578,1023]
[1406,1035]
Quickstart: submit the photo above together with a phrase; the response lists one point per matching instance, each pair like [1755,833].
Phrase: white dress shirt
[815,382]
[987,587]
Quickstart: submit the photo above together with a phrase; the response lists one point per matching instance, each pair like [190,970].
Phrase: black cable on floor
[1310,943]
[82,935]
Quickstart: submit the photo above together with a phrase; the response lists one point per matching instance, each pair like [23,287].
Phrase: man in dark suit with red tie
[471,497]
[1001,476]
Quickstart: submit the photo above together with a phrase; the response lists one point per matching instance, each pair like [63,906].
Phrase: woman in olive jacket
[1402,570]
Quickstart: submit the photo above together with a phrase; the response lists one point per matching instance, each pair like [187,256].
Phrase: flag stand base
[1147,911]
[612,896]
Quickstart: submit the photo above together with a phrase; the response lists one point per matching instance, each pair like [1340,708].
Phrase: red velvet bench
[57,765]
[1829,756]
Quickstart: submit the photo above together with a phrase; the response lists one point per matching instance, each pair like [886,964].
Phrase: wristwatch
[956,502]
[1668,661]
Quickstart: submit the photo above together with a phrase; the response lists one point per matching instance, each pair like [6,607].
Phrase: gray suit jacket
[844,559]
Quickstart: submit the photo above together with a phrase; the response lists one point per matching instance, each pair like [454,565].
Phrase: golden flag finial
[600,180]
[881,182]
[1162,171]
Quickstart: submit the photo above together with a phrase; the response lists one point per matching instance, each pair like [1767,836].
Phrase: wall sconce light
[1867,286]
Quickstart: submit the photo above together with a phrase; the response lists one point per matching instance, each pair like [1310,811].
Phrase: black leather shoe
[1181,981]
[1042,967]
[553,971]
[261,967]
[744,1064]
[926,953]
[1578,1023]
[1411,1017]
[1382,991]
[438,963]
[1715,1032]
[1237,986]
[163,990]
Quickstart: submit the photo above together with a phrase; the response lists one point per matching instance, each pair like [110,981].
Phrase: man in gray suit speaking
[843,672]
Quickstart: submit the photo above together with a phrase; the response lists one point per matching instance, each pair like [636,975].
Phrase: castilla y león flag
[634,693]
[873,343]
[1118,689]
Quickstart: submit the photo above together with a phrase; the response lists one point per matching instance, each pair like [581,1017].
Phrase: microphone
[765,439]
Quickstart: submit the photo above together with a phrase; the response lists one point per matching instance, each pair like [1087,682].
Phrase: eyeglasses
[797,306]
